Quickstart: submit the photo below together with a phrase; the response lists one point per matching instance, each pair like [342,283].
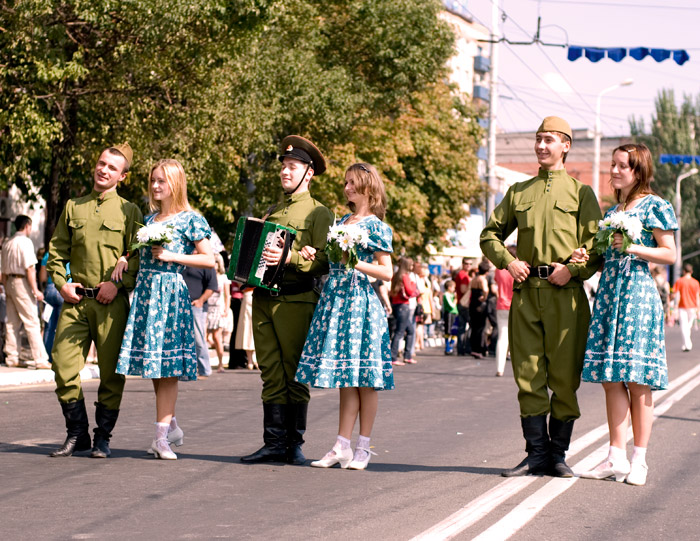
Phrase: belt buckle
[89,293]
[546,272]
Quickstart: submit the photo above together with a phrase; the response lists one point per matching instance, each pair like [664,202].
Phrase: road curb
[10,377]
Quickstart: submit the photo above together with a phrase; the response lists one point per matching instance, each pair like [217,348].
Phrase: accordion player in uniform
[281,318]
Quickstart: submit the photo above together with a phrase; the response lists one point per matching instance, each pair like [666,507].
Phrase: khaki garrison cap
[126,151]
[554,123]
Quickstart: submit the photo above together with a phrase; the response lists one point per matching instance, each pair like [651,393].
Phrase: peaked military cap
[554,123]
[298,148]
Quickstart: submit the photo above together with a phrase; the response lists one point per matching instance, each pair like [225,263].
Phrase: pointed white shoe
[161,449]
[333,457]
[607,469]
[361,464]
[638,474]
[176,436]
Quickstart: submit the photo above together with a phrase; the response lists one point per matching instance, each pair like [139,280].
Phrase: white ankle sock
[639,455]
[363,442]
[362,449]
[343,443]
[173,424]
[615,454]
[162,431]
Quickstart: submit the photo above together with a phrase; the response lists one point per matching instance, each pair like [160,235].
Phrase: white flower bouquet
[153,234]
[618,222]
[342,243]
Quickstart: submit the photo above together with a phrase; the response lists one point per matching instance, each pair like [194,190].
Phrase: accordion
[247,265]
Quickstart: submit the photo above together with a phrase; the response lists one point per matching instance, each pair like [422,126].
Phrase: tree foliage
[673,130]
[218,84]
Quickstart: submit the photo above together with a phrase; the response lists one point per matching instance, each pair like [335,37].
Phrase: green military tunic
[280,323]
[92,233]
[554,214]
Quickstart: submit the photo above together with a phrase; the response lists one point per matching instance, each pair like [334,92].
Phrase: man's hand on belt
[519,270]
[107,292]
[68,293]
[560,276]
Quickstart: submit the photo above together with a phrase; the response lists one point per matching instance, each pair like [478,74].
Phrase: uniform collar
[103,196]
[553,175]
[295,197]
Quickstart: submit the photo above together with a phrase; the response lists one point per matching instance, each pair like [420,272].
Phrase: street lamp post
[679,251]
[597,134]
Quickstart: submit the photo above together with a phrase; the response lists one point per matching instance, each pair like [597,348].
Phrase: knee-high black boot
[560,435]
[296,426]
[537,447]
[106,419]
[78,438]
[274,436]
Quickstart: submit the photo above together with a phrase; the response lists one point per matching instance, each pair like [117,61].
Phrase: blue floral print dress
[348,340]
[626,334]
[159,337]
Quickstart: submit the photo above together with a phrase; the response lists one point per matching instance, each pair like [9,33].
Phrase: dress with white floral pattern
[626,334]
[348,340]
[159,337]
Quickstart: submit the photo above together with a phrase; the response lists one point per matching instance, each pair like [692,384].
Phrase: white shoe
[361,459]
[176,436]
[607,469]
[333,457]
[638,474]
[161,449]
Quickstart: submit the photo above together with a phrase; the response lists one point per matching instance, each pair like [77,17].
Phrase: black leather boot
[106,419]
[296,426]
[274,436]
[560,436]
[78,438]
[537,461]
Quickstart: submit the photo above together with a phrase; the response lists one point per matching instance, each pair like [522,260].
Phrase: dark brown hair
[405,267]
[643,168]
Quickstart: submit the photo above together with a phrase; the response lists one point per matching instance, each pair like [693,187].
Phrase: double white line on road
[480,507]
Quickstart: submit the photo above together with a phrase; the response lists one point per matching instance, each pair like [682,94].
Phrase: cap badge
[290,148]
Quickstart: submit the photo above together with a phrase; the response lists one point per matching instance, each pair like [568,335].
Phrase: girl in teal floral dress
[348,342]
[625,350]
[159,340]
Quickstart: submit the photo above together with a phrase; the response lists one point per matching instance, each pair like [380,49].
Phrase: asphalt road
[442,438]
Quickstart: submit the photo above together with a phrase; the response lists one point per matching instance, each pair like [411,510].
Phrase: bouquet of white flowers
[343,241]
[153,234]
[617,222]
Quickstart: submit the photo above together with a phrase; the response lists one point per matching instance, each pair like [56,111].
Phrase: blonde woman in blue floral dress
[347,347]
[625,350]
[159,338]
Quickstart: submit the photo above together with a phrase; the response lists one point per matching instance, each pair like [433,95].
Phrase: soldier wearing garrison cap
[554,214]
[281,322]
[91,234]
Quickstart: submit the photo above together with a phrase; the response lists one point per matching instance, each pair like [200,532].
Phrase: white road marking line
[530,506]
[480,507]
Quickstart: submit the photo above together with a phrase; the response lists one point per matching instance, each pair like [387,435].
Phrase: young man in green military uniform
[548,323]
[281,322]
[91,234]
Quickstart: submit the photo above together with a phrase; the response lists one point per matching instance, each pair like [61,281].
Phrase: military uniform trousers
[547,330]
[79,325]
[279,329]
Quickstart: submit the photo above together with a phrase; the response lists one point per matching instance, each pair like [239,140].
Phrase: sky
[537,81]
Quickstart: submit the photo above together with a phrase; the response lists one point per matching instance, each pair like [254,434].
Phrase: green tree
[673,130]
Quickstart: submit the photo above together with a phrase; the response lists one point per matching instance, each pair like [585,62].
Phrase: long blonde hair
[368,182]
[177,181]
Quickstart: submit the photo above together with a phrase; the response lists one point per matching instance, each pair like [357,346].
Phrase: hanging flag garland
[594,54]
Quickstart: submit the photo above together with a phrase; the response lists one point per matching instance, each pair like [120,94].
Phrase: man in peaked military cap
[548,323]
[91,234]
[281,322]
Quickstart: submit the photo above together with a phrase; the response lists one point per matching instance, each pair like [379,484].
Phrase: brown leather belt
[17,275]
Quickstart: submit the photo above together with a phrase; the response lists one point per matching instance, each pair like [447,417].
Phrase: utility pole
[493,103]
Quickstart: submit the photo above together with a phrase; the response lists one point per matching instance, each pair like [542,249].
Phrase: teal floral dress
[159,337]
[348,340]
[626,333]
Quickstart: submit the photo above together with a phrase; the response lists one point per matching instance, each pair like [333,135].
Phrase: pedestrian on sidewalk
[347,347]
[403,290]
[554,215]
[22,294]
[504,282]
[281,321]
[626,349]
[687,293]
[201,285]
[218,312]
[159,338]
[92,233]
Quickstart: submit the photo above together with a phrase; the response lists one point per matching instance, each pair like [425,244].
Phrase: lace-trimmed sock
[362,449]
[162,431]
[342,442]
[173,424]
